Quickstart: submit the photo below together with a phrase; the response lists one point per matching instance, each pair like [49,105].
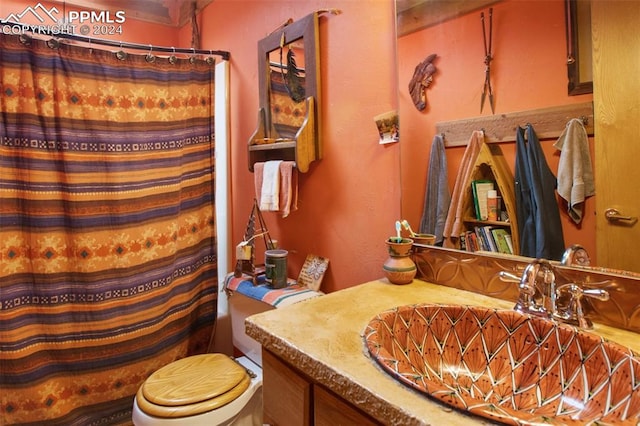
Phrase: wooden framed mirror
[579,47]
[289,113]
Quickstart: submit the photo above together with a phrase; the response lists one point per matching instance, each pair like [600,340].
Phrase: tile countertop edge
[332,352]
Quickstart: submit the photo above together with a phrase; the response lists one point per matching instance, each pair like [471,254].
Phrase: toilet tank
[241,307]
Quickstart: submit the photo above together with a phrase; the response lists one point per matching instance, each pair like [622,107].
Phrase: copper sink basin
[506,366]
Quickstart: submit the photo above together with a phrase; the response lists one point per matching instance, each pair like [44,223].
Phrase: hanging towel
[437,197]
[288,187]
[453,223]
[270,193]
[575,175]
[537,213]
[288,191]
[258,171]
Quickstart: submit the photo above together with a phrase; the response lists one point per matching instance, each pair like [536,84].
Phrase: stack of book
[487,238]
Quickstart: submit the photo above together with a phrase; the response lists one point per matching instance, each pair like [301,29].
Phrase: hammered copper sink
[508,366]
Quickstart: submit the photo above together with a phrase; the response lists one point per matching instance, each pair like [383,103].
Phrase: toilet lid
[196,379]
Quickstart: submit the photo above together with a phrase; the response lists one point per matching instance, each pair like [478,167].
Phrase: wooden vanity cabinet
[291,398]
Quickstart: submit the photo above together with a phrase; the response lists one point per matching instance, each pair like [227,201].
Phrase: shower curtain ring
[172,58]
[25,39]
[210,59]
[53,43]
[150,58]
[121,54]
[193,58]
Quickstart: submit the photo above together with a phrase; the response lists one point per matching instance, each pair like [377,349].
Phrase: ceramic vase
[399,268]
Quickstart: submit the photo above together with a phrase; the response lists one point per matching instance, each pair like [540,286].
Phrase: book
[463,242]
[507,238]
[481,238]
[500,237]
[471,241]
[491,243]
[480,188]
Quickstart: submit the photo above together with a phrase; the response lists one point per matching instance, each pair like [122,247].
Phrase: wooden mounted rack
[548,123]
[304,149]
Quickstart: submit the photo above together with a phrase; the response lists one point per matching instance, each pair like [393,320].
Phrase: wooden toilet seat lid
[195,379]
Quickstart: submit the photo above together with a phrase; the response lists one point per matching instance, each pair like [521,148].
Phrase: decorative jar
[399,268]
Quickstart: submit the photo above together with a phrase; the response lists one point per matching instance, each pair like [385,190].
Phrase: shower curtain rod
[35,29]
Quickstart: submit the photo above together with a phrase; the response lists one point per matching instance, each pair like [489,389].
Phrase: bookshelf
[491,166]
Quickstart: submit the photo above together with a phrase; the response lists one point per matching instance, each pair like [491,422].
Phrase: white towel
[270,194]
[575,175]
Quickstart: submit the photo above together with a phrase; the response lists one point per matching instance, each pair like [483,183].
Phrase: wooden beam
[547,122]
[415,15]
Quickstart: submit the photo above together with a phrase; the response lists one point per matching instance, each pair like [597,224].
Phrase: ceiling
[174,13]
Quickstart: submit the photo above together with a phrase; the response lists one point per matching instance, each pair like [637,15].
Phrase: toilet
[208,389]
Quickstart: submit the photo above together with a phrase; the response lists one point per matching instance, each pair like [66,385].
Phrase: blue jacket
[538,215]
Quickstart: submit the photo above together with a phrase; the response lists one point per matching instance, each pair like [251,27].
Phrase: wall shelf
[548,123]
[303,149]
[491,165]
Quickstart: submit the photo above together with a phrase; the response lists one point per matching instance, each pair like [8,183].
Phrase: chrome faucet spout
[537,288]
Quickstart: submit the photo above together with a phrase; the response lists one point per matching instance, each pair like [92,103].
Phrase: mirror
[579,47]
[287,89]
[528,72]
[288,73]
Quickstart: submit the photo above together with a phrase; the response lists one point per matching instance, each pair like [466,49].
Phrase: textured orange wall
[528,71]
[349,200]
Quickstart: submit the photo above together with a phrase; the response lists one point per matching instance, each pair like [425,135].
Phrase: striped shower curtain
[107,228]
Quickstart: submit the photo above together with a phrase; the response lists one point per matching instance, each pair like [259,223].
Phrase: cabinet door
[286,394]
[330,410]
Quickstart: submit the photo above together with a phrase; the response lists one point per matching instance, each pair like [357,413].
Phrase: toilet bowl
[208,389]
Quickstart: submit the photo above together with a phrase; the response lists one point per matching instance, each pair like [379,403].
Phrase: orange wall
[528,71]
[349,200]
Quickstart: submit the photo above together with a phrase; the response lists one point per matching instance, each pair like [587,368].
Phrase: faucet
[575,255]
[537,288]
[540,296]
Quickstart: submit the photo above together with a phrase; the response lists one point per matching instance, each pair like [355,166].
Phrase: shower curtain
[107,228]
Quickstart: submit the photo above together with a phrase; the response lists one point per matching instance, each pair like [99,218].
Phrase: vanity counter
[322,337]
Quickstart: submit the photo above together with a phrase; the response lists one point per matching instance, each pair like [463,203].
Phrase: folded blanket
[289,295]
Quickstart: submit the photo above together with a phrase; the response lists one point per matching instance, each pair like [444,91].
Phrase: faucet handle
[596,293]
[508,277]
[573,312]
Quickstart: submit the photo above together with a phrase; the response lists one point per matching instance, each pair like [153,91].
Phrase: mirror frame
[307,29]
[578,27]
